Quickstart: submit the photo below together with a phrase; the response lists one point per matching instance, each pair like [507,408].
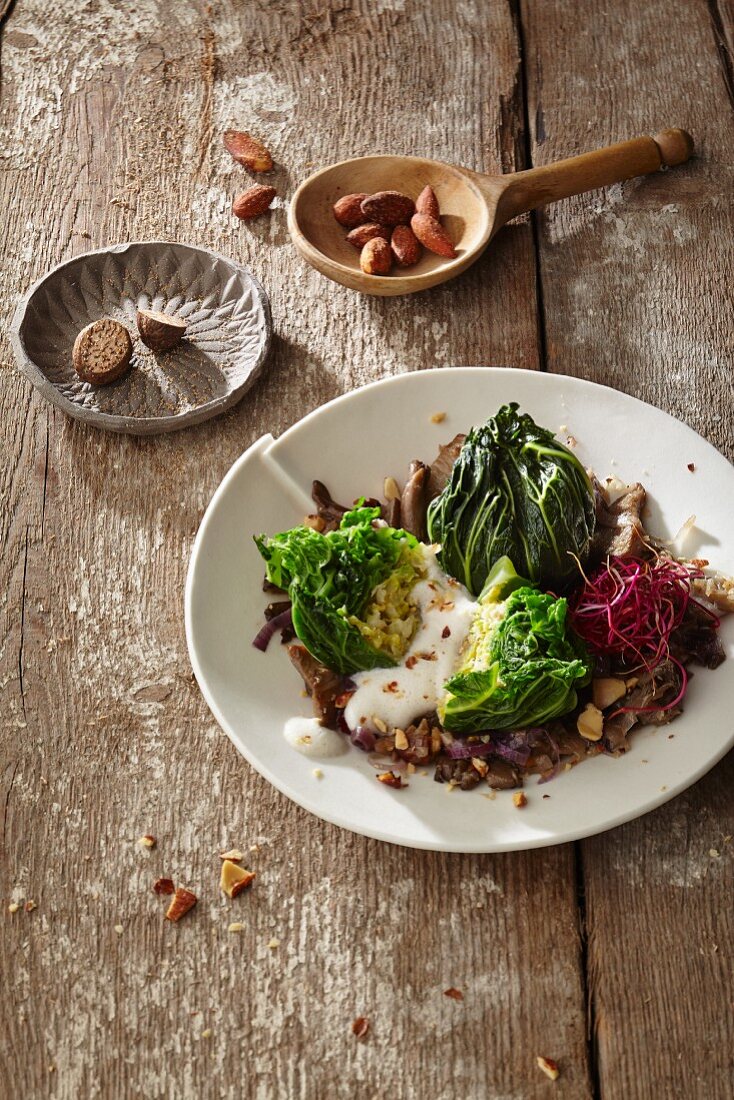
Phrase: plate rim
[137,425]
[312,805]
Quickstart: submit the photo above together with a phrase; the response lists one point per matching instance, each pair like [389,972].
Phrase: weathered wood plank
[107,117]
[637,294]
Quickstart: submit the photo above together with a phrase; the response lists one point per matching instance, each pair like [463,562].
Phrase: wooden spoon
[473,206]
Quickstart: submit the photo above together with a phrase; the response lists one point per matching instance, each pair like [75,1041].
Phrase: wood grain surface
[110,116]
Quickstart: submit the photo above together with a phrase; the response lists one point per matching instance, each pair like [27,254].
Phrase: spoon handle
[538,186]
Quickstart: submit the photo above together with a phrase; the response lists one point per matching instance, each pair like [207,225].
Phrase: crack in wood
[592,1051]
[722,47]
[209,66]
[517,21]
[22,624]
[7,799]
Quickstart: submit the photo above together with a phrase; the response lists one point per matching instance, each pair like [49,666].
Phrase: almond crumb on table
[454,994]
[548,1066]
[360,1027]
[520,799]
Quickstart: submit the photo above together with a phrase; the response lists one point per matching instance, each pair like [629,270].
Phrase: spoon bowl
[473,206]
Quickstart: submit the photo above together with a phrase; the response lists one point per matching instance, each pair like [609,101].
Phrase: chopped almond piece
[234,879]
[438,418]
[147,841]
[605,690]
[390,779]
[548,1066]
[236,926]
[480,765]
[401,741]
[520,799]
[590,723]
[234,854]
[360,1027]
[181,902]
[13,907]
[454,994]
[163,886]
[316,523]
[30,906]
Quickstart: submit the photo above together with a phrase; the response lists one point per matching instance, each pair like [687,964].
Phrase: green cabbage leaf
[514,491]
[523,663]
[349,589]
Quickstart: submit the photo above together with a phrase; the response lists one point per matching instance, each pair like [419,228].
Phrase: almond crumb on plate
[317,773]
[520,799]
[438,418]
[454,994]
[548,1066]
[360,1027]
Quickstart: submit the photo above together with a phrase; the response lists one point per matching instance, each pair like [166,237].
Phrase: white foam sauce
[309,737]
[398,695]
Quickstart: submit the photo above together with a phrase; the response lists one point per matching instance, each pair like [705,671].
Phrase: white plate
[351,444]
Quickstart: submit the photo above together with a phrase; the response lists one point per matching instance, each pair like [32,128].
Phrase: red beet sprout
[629,608]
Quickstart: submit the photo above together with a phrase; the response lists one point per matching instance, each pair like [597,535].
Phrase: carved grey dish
[227,339]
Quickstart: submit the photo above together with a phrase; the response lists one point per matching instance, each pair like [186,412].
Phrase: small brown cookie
[102,351]
[159,331]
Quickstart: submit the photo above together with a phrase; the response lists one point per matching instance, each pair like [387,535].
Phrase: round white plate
[351,444]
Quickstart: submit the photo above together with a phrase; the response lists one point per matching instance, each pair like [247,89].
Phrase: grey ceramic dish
[227,338]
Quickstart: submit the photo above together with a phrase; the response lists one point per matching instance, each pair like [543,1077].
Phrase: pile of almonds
[389,227]
[250,152]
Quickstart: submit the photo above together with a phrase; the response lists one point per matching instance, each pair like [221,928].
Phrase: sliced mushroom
[414,501]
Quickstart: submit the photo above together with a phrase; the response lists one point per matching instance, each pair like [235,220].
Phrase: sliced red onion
[363,738]
[462,750]
[267,630]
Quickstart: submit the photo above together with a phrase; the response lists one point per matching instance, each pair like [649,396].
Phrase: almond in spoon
[376,257]
[102,352]
[159,331]
[405,246]
[432,235]
[427,203]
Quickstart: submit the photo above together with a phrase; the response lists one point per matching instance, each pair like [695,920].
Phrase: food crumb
[147,841]
[236,926]
[273,943]
[714,853]
[572,441]
[520,799]
[317,773]
[663,788]
[546,796]
[438,418]
[13,907]
[254,847]
[360,1027]
[30,906]
[119,929]
[206,1033]
[454,994]
[234,855]
[548,1066]
[691,466]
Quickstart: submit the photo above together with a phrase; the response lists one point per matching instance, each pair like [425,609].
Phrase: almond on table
[253,202]
[247,150]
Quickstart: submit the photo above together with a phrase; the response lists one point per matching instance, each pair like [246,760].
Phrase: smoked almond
[348,210]
[253,202]
[432,235]
[363,233]
[388,208]
[405,246]
[247,150]
[427,203]
[376,257]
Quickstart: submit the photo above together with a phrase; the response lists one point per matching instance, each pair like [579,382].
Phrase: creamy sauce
[398,695]
[308,736]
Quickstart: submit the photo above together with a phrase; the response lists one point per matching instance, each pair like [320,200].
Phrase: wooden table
[612,956]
